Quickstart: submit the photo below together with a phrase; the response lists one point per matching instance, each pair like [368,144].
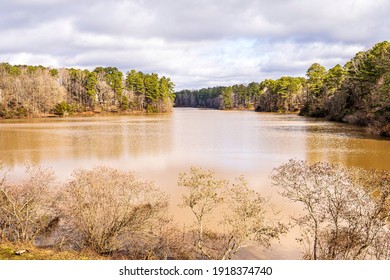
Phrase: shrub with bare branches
[26,209]
[246,221]
[346,210]
[104,207]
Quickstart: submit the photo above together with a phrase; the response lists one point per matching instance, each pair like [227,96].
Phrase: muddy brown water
[160,146]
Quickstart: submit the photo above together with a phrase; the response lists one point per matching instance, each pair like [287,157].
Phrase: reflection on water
[89,140]
[338,143]
[160,146]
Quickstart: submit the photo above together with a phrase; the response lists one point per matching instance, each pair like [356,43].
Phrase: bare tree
[104,207]
[26,209]
[205,194]
[246,220]
[346,211]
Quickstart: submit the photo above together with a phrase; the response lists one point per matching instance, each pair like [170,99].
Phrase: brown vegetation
[245,222]
[346,211]
[102,208]
[107,213]
[26,209]
[34,91]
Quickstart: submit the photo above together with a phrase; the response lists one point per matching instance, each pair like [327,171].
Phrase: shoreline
[86,114]
[367,129]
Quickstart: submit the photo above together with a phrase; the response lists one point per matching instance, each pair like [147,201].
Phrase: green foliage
[281,95]
[36,90]
[21,112]
[253,90]
[124,103]
[135,82]
[15,70]
[13,110]
[203,98]
[227,98]
[54,72]
[114,80]
[91,85]
[166,88]
[334,79]
[357,93]
[316,75]
[270,95]
[154,94]
[61,109]
[152,88]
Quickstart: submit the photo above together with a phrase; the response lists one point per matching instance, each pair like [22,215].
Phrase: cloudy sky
[197,43]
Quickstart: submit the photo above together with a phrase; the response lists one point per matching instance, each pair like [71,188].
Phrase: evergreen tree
[316,75]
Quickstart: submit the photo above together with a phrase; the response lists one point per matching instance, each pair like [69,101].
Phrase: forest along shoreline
[31,91]
[356,93]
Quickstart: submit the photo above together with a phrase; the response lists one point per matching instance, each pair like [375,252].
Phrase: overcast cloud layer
[196,43]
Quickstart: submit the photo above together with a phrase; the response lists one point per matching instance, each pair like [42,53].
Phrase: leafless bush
[26,209]
[104,208]
[346,211]
[246,221]
[164,240]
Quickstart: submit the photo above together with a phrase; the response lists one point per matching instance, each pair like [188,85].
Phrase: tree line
[357,93]
[115,213]
[29,91]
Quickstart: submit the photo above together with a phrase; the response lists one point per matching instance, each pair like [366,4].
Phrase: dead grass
[7,252]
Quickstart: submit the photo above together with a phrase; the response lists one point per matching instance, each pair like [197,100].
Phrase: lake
[160,146]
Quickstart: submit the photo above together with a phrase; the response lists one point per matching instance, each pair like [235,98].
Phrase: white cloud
[32,59]
[196,43]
